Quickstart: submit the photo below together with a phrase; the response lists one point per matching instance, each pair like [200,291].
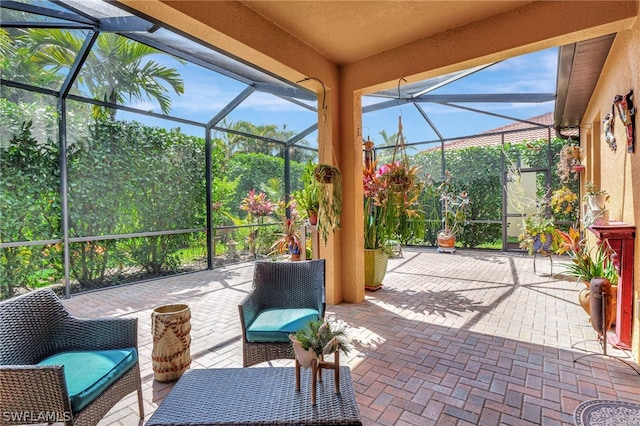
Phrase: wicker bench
[58,368]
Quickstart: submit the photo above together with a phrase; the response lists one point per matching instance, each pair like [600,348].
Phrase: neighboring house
[513,133]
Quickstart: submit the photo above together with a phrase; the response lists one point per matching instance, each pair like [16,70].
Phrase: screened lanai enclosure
[131,151]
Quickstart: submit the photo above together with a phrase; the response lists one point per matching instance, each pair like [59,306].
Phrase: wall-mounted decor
[627,112]
[607,124]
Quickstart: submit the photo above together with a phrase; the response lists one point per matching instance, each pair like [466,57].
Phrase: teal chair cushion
[274,325]
[89,373]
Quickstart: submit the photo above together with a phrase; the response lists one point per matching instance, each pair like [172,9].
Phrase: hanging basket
[325,173]
[171,355]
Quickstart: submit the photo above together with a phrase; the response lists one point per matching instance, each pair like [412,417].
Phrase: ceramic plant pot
[375,268]
[601,293]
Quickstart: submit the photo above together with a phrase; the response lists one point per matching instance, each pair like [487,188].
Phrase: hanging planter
[330,199]
[326,173]
[569,160]
[328,176]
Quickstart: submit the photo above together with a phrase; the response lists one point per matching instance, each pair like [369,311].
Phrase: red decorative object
[627,111]
[621,238]
[577,168]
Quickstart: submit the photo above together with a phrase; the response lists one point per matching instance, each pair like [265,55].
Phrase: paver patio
[470,338]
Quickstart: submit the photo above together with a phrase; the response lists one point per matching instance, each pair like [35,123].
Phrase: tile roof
[513,133]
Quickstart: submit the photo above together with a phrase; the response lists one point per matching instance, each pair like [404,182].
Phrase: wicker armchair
[36,326]
[285,295]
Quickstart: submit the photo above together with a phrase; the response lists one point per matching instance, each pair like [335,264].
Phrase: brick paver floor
[463,339]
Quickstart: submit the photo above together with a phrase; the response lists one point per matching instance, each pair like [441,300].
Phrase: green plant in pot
[595,199]
[289,240]
[538,234]
[454,210]
[258,207]
[318,338]
[569,159]
[390,213]
[586,266]
[308,198]
[329,179]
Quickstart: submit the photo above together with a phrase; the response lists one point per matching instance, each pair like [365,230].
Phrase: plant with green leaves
[330,198]
[538,234]
[288,238]
[454,204]
[391,207]
[584,266]
[117,68]
[317,334]
[258,207]
[308,198]
[29,196]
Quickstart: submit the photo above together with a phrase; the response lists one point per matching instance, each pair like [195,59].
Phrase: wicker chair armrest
[97,334]
[29,391]
[248,309]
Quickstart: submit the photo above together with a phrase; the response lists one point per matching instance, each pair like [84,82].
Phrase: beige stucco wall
[618,172]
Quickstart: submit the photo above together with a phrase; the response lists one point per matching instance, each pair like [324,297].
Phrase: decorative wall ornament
[627,112]
[607,123]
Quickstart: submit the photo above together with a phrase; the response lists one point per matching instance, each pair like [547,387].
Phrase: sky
[207,92]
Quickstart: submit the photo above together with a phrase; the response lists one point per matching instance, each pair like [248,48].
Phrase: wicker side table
[256,396]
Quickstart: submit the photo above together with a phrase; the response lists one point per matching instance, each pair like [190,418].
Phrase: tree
[116,69]
[246,144]
[30,208]
[16,65]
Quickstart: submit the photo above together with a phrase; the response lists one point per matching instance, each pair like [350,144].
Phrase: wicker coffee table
[256,396]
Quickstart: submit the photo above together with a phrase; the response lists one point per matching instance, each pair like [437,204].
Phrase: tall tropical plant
[584,266]
[391,207]
[117,68]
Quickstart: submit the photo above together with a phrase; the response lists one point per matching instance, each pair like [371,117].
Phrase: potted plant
[569,162]
[318,338]
[289,240]
[595,199]
[538,234]
[329,198]
[257,207]
[390,213]
[454,206]
[564,201]
[585,267]
[308,198]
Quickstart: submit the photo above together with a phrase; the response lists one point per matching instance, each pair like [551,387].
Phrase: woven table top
[249,396]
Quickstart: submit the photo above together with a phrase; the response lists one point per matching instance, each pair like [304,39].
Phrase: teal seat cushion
[89,373]
[274,325]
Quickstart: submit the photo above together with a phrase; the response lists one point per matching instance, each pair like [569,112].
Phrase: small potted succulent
[317,339]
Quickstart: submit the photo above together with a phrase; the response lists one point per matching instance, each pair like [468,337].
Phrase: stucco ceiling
[346,31]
